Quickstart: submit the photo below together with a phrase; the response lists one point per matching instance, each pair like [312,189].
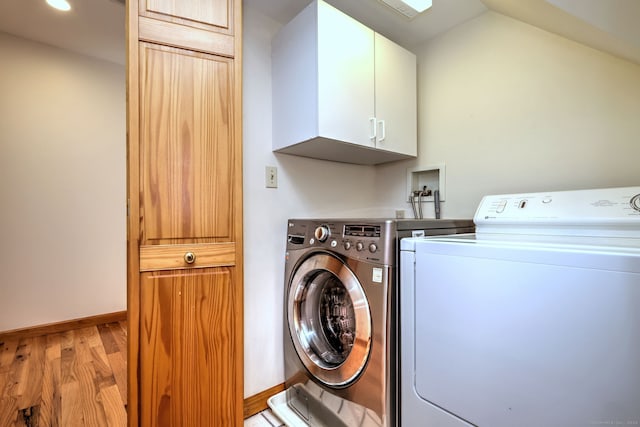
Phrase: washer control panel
[361,239]
[361,234]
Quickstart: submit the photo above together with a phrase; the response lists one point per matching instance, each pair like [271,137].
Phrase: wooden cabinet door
[396,98]
[190,286]
[211,15]
[187,341]
[187,146]
[185,213]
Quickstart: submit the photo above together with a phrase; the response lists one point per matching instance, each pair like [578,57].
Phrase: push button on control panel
[501,206]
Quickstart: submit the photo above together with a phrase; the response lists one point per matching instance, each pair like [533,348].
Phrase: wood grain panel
[29,391]
[8,352]
[51,405]
[188,347]
[119,367]
[71,408]
[68,360]
[212,15]
[170,257]
[115,413]
[187,151]
[169,34]
[133,212]
[185,187]
[88,395]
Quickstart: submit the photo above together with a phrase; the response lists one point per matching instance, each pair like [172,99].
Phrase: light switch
[271,177]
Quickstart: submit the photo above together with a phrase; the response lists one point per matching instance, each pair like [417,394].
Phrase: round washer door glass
[329,320]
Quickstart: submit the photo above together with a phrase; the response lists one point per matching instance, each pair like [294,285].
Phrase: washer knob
[359,246]
[322,233]
[347,245]
[373,247]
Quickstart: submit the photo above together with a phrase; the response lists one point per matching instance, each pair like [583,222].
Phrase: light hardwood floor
[70,379]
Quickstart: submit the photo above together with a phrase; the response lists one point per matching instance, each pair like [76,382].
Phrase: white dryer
[534,320]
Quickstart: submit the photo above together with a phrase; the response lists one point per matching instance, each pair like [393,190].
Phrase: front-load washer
[340,336]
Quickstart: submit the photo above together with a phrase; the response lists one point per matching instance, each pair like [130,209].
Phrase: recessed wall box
[430,177]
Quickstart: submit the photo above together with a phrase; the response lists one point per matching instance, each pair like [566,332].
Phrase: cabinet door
[190,317]
[211,15]
[396,97]
[188,339]
[345,78]
[187,149]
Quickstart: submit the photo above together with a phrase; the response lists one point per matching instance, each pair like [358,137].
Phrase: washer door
[329,320]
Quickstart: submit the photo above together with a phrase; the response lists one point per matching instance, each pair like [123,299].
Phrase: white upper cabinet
[396,97]
[341,91]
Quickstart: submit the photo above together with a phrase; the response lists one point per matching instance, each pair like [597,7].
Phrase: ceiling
[92,27]
[97,27]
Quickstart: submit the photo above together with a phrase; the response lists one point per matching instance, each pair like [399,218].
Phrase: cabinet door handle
[189,257]
[372,122]
[383,130]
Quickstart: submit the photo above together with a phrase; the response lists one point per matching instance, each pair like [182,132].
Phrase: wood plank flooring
[69,379]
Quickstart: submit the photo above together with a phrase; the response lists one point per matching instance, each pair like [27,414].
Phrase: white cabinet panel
[342,92]
[345,78]
[396,97]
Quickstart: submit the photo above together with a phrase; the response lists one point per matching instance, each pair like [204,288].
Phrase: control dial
[373,247]
[322,233]
[635,202]
[347,245]
[359,246]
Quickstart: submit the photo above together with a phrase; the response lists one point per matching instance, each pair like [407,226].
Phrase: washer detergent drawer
[511,340]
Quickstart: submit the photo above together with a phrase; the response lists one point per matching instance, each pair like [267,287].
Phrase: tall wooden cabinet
[185,213]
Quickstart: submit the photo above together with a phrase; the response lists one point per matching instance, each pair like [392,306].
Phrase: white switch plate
[271,177]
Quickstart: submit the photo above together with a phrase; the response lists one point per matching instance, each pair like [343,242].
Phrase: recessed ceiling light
[59,4]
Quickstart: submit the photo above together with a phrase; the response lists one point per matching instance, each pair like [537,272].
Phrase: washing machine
[340,311]
[532,321]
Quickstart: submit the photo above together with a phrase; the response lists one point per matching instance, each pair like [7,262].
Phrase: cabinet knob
[189,257]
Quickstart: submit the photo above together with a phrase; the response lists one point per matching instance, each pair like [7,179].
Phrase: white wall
[511,108]
[306,188]
[62,185]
